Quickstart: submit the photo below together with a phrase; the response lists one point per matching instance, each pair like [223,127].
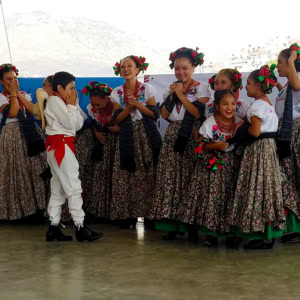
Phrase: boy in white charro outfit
[63,119]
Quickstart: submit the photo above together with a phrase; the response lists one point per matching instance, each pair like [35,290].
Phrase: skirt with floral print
[96,177]
[258,197]
[290,168]
[173,178]
[211,195]
[22,190]
[132,192]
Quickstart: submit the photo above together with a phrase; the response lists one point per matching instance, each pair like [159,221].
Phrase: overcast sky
[213,26]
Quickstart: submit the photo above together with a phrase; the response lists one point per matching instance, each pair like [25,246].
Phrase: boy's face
[65,93]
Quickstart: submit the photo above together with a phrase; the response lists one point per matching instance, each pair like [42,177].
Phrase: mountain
[42,44]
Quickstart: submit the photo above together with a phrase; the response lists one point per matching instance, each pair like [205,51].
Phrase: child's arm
[28,104]
[254,128]
[14,104]
[294,78]
[141,107]
[221,146]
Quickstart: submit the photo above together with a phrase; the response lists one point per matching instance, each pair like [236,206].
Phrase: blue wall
[30,85]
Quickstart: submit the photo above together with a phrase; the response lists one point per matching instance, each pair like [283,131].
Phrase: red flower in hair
[194,54]
[295,48]
[181,50]
[211,80]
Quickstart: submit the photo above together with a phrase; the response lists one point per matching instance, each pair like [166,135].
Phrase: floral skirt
[22,190]
[258,203]
[96,177]
[290,170]
[173,178]
[132,192]
[211,195]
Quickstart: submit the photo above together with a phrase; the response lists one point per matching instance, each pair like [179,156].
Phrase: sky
[214,26]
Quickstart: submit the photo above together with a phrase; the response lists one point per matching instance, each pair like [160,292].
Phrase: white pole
[6,33]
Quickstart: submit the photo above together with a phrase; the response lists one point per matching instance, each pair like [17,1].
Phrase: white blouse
[146,92]
[201,90]
[242,107]
[5,100]
[266,113]
[280,100]
[210,129]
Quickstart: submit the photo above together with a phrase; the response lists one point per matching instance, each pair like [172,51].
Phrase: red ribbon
[57,143]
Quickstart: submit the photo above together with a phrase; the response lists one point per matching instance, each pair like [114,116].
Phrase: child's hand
[132,101]
[114,129]
[222,146]
[72,98]
[293,57]
[12,88]
[177,88]
[101,137]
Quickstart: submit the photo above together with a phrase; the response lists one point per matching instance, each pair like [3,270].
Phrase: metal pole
[6,33]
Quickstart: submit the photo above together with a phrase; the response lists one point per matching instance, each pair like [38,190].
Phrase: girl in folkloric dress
[184,104]
[139,144]
[95,150]
[214,178]
[230,79]
[257,211]
[288,111]
[22,151]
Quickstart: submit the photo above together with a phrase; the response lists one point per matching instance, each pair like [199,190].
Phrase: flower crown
[267,78]
[296,47]
[215,160]
[196,57]
[9,67]
[140,62]
[237,79]
[94,85]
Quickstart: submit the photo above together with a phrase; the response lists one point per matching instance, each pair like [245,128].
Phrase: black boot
[83,233]
[260,244]
[211,241]
[193,234]
[54,233]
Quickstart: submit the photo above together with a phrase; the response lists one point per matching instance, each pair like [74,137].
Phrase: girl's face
[282,66]
[252,87]
[8,77]
[98,102]
[183,69]
[129,69]
[227,107]
[223,83]
[47,87]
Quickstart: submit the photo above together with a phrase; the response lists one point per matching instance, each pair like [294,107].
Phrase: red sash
[57,143]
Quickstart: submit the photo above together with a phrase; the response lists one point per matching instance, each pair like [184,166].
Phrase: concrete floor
[134,264]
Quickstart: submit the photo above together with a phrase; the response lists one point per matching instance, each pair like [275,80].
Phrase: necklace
[226,128]
[134,93]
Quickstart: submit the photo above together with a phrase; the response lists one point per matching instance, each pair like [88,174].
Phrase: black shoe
[233,242]
[54,233]
[260,244]
[83,233]
[291,238]
[171,236]
[128,223]
[193,234]
[211,241]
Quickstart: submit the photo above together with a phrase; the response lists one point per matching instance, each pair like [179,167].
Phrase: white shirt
[242,107]
[210,129]
[62,118]
[280,100]
[5,100]
[266,113]
[146,92]
[201,90]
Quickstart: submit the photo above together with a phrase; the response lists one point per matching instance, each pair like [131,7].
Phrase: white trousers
[65,184]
